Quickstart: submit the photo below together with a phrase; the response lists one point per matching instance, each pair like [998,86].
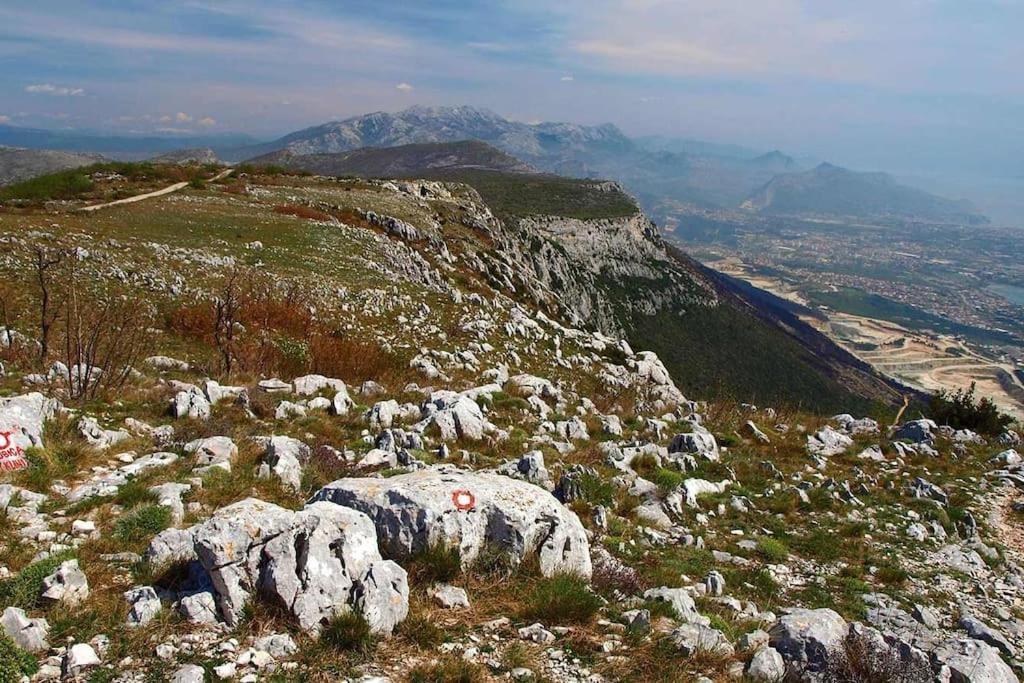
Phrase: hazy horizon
[925,89]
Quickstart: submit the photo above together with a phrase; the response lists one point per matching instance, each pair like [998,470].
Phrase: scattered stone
[449,597]
[29,634]
[284,458]
[278,645]
[767,665]
[67,584]
[79,658]
[189,673]
[536,633]
[144,605]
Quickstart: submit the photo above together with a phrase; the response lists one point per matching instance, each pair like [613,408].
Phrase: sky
[916,86]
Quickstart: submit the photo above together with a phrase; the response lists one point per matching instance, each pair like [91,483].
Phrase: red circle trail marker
[463,500]
[12,456]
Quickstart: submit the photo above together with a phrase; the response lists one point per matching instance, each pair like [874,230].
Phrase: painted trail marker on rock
[12,454]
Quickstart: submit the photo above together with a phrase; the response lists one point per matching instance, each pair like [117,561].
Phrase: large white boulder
[473,512]
[29,634]
[317,562]
[22,418]
[192,404]
[457,416]
[827,442]
[66,584]
[213,451]
[699,441]
[308,385]
[971,661]
[916,431]
[808,637]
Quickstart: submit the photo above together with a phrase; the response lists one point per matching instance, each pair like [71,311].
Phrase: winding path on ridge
[155,193]
[1008,524]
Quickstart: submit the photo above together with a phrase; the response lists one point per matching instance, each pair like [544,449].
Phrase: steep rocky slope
[293,428]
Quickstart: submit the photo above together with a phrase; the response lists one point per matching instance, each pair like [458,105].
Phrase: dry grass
[302,212]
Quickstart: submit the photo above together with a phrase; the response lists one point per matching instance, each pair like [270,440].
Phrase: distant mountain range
[18,164]
[662,173]
[831,190]
[656,170]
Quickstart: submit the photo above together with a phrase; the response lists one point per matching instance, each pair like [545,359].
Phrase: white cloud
[5,119]
[207,121]
[404,87]
[182,117]
[779,39]
[55,90]
[567,78]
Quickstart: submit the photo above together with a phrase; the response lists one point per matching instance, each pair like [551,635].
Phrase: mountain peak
[421,124]
[828,189]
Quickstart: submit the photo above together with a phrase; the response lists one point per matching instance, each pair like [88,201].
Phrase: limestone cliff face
[598,272]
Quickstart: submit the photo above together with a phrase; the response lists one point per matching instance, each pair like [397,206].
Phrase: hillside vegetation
[289,428]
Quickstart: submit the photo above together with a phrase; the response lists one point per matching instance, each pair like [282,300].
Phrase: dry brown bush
[260,327]
[306,212]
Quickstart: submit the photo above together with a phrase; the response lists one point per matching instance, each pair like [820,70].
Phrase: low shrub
[141,523]
[15,662]
[772,550]
[862,661]
[961,410]
[348,632]
[560,599]
[449,670]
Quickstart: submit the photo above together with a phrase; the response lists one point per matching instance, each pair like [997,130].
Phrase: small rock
[450,597]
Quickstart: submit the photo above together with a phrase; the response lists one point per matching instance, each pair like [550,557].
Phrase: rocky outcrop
[317,562]
[471,512]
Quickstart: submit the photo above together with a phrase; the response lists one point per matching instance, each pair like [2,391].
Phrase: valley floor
[930,362]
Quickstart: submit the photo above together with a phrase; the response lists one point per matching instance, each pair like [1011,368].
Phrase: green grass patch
[348,632]
[515,195]
[449,670]
[133,494]
[772,550]
[667,479]
[560,599]
[142,523]
[15,662]
[23,589]
[821,544]
[437,564]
